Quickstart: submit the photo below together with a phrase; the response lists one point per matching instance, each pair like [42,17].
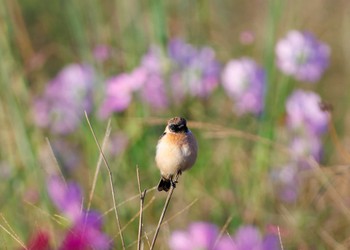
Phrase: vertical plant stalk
[262,153]
[110,180]
[280,238]
[98,166]
[163,212]
[142,200]
[158,19]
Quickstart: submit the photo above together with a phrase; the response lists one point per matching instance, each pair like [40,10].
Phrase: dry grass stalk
[110,180]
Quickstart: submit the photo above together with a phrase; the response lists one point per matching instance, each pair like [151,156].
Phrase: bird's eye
[173,127]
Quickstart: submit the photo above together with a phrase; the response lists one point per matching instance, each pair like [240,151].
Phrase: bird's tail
[164,184]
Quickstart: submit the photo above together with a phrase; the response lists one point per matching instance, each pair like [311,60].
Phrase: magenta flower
[300,55]
[86,227]
[194,71]
[86,234]
[304,113]
[119,91]
[67,198]
[244,81]
[65,99]
[39,241]
[200,235]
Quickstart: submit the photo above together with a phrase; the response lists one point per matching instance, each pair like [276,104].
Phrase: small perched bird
[176,152]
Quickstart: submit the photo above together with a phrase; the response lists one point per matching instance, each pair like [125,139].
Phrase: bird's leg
[173,180]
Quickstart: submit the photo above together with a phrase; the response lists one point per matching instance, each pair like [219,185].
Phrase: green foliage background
[230,179]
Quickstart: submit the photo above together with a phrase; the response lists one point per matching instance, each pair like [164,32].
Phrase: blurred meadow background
[264,87]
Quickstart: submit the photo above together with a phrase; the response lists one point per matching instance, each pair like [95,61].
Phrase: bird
[176,152]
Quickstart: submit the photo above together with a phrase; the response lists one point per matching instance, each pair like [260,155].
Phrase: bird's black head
[177,125]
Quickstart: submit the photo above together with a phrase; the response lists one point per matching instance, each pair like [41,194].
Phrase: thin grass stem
[222,231]
[142,200]
[163,212]
[98,165]
[13,236]
[168,220]
[110,180]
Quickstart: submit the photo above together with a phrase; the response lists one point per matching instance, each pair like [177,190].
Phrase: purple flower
[66,197]
[58,116]
[73,85]
[200,235]
[154,60]
[86,234]
[287,180]
[304,113]
[119,91]
[244,81]
[249,238]
[153,91]
[305,146]
[86,227]
[300,55]
[66,97]
[194,71]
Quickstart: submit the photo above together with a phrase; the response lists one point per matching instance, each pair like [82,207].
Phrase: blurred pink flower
[154,93]
[66,197]
[86,234]
[249,238]
[302,56]
[200,235]
[304,114]
[73,85]
[86,226]
[153,90]
[119,91]
[304,146]
[154,61]
[193,71]
[39,241]
[287,179]
[244,81]
[65,99]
